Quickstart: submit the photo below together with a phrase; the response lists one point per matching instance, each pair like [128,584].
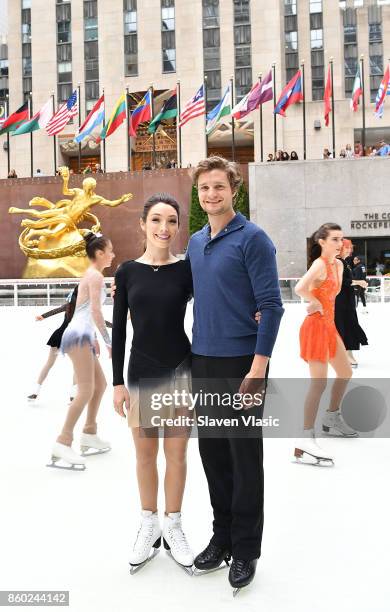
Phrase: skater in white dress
[80,343]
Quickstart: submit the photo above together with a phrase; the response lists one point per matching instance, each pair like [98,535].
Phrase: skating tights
[53,354]
[91,385]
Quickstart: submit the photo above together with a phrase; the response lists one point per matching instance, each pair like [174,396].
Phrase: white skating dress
[81,329]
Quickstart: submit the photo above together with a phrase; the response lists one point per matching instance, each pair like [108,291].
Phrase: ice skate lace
[145,530]
[178,538]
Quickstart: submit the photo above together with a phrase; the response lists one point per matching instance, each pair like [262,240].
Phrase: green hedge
[198,217]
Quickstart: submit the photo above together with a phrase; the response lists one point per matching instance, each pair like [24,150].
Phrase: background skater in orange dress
[321,344]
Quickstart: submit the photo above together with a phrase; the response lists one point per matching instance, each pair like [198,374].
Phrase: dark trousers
[360,293]
[233,465]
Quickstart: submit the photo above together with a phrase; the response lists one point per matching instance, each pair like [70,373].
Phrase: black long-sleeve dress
[345,313]
[160,353]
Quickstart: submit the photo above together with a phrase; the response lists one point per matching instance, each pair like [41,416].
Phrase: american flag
[63,115]
[194,108]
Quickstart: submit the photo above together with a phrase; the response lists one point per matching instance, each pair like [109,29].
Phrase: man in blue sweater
[234,272]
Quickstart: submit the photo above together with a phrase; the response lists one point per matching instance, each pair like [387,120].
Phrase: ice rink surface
[326,536]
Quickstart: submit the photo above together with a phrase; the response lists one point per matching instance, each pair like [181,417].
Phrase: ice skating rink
[326,538]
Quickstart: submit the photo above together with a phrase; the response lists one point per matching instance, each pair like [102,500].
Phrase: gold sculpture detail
[55,233]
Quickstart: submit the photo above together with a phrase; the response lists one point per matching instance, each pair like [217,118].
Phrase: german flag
[15,120]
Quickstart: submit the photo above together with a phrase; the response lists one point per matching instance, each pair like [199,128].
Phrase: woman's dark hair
[294,155]
[321,234]
[160,198]
[94,242]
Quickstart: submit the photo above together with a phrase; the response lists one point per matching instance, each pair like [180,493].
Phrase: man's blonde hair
[214,162]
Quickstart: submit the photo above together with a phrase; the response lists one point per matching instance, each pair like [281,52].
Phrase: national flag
[15,120]
[95,118]
[222,109]
[328,97]
[194,107]
[168,111]
[241,109]
[357,91]
[38,121]
[141,113]
[291,94]
[64,114]
[116,119]
[381,95]
[260,93]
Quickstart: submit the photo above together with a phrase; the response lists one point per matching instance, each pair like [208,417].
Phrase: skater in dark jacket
[346,318]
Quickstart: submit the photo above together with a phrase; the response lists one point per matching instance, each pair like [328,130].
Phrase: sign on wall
[372,221]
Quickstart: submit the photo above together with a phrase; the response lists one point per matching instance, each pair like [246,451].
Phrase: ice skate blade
[73,467]
[136,568]
[188,569]
[236,591]
[308,459]
[200,572]
[336,434]
[88,451]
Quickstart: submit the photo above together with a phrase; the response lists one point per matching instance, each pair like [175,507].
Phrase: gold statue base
[68,266]
[63,267]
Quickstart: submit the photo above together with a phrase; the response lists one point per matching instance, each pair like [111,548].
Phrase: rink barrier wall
[53,292]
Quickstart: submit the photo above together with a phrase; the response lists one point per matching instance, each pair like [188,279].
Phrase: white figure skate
[66,455]
[91,444]
[333,424]
[148,539]
[309,452]
[175,542]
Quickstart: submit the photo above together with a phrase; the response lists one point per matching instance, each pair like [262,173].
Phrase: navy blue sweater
[234,275]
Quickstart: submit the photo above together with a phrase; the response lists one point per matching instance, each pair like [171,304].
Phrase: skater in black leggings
[55,340]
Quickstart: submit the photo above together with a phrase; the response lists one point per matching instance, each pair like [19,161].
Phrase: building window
[375,39]
[290,7]
[291,41]
[242,47]
[315,6]
[26,50]
[350,49]
[316,39]
[64,50]
[131,37]
[168,40]
[3,71]
[91,53]
[211,51]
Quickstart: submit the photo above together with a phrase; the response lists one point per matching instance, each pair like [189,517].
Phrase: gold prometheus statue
[55,233]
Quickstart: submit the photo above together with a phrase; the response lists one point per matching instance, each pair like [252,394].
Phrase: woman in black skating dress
[55,339]
[155,289]
[345,308]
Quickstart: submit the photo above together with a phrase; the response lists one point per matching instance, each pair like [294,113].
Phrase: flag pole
[30,107]
[151,88]
[154,133]
[274,85]
[333,117]
[8,140]
[205,115]
[304,108]
[78,96]
[104,140]
[128,130]
[363,104]
[178,128]
[54,138]
[233,126]
[261,124]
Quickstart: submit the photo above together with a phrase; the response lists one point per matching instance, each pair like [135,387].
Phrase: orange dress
[318,333]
